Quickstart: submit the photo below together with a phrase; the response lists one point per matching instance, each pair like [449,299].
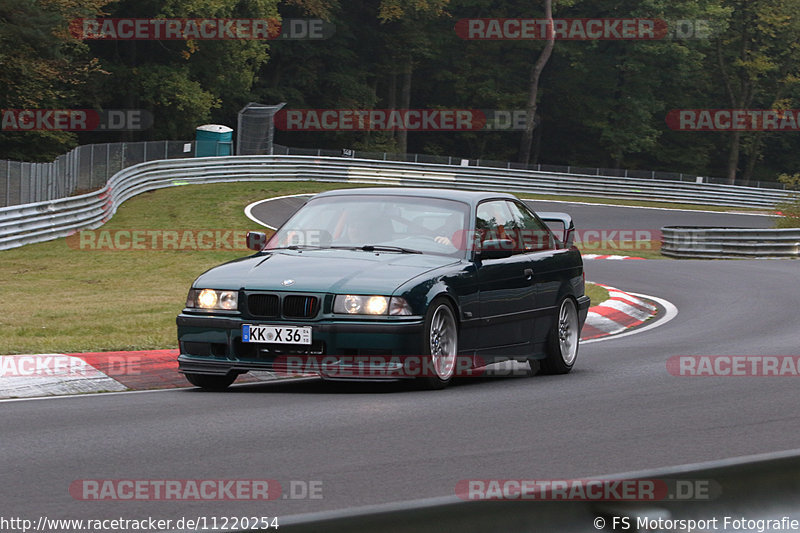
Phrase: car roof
[469,197]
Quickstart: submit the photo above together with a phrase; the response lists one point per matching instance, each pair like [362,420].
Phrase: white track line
[249,208]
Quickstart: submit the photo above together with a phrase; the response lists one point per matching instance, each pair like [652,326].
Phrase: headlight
[355,304]
[213,299]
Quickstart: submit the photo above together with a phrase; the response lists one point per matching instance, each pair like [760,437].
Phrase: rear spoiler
[567,233]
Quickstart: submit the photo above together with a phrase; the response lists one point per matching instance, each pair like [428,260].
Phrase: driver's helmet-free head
[453,229]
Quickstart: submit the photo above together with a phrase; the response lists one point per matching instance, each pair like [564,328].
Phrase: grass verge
[643,249]
[596,293]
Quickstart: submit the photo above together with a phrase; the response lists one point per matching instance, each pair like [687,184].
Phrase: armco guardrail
[747,490]
[41,221]
[727,243]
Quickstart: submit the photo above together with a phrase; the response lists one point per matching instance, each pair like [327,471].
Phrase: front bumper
[213,345]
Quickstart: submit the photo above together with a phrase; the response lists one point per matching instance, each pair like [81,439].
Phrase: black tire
[563,340]
[440,335]
[210,381]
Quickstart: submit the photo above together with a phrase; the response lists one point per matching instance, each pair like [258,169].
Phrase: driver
[449,233]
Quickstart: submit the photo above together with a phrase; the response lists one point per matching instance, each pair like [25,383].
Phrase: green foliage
[600,103]
[790,210]
[184,83]
[41,67]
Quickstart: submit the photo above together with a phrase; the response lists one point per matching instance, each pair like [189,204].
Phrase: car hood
[335,271]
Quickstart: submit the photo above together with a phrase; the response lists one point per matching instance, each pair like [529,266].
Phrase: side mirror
[256,240]
[495,249]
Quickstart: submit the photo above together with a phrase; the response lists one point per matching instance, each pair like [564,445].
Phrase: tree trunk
[733,157]
[618,157]
[393,95]
[537,143]
[533,92]
[739,99]
[753,155]
[405,102]
[130,98]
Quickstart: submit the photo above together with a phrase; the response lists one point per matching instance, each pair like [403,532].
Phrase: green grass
[643,249]
[791,213]
[596,293]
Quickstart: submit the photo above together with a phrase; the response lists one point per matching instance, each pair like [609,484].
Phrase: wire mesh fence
[83,169]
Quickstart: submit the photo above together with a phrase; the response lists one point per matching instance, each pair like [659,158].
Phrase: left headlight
[356,304]
[213,299]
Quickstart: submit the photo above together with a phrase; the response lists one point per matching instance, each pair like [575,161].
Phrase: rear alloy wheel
[210,381]
[562,340]
[440,344]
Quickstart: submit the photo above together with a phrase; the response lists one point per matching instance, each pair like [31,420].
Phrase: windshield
[385,223]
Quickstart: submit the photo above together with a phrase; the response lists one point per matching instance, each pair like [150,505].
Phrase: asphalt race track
[619,410]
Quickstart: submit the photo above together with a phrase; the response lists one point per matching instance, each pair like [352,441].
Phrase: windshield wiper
[365,248]
[296,247]
[381,248]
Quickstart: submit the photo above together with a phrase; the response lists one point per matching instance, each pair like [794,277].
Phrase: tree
[42,66]
[758,59]
[184,83]
[407,25]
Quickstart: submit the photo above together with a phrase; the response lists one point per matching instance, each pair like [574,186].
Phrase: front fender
[458,284]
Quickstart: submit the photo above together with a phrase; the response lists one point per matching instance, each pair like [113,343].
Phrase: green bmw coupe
[391,283]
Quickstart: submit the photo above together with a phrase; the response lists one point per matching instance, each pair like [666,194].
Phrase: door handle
[528,273]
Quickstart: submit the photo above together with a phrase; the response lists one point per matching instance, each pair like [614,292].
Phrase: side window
[495,221]
[533,234]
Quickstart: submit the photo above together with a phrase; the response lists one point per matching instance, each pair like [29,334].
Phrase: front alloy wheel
[440,344]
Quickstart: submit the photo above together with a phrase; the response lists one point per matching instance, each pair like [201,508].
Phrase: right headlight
[357,304]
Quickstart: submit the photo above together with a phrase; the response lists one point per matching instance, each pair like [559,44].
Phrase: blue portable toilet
[213,140]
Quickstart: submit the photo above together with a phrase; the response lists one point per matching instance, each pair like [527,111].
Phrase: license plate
[276,334]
